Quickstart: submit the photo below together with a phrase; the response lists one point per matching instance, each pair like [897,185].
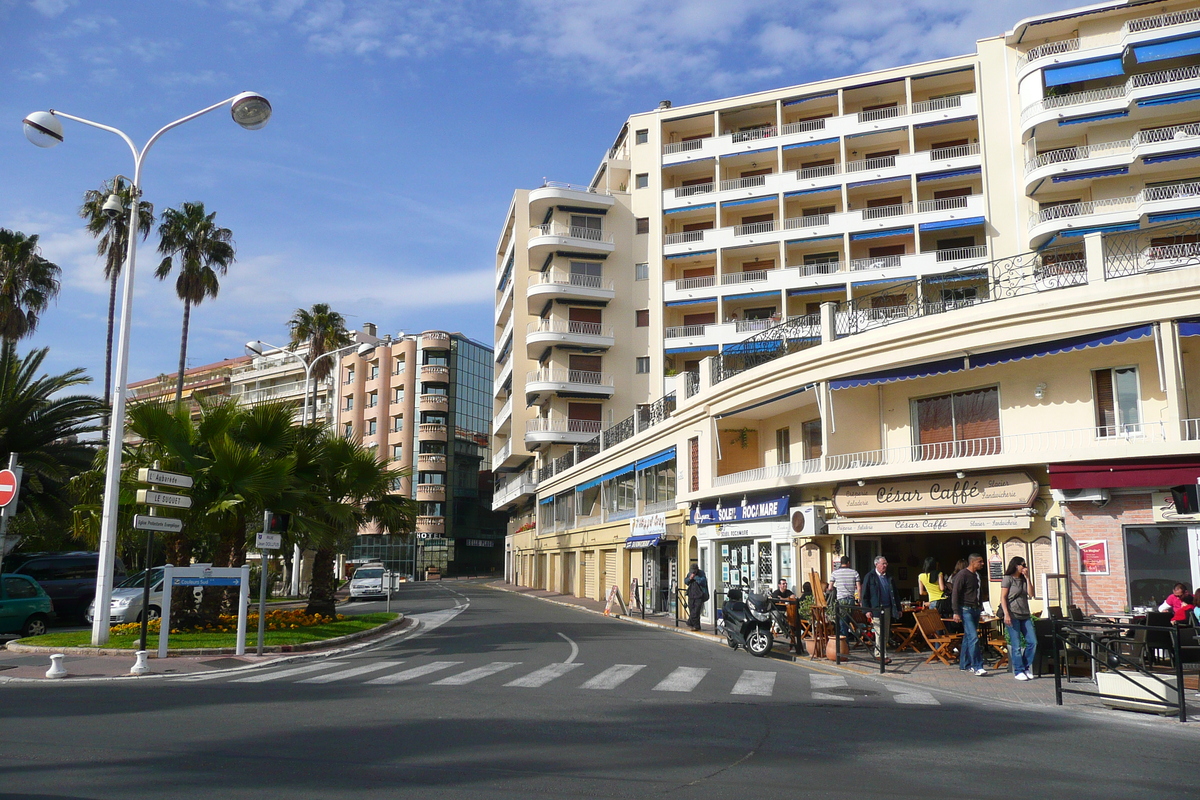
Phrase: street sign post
[142,522]
[149,497]
[265,540]
[10,488]
[268,541]
[152,522]
[157,477]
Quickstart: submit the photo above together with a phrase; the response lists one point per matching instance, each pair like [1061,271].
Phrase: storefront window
[564,510]
[620,494]
[658,483]
[1156,559]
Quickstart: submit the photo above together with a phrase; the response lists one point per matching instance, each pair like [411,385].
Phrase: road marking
[908,696]
[543,676]
[287,673]
[204,676]
[472,675]
[613,677]
[574,649]
[352,672]
[683,679]
[756,683]
[828,682]
[436,619]
[415,672]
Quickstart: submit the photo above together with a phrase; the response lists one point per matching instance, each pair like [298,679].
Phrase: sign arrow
[142,522]
[150,497]
[160,478]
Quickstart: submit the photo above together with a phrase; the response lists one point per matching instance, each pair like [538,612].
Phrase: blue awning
[878,181]
[750,296]
[1161,51]
[751,152]
[817,290]
[704,207]
[693,159]
[858,237]
[691,255]
[857,284]
[1057,346]
[1183,97]
[1083,176]
[834,237]
[953,173]
[674,303]
[971,118]
[656,459]
[671,351]
[876,133]
[748,200]
[813,143]
[818,190]
[800,100]
[1172,216]
[901,373]
[1171,157]
[602,478]
[1085,71]
[947,224]
[1188,327]
[547,501]
[643,542]
[1130,226]
[1093,118]
[762,403]
[957,277]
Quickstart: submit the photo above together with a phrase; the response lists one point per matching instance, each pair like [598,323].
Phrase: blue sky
[400,131]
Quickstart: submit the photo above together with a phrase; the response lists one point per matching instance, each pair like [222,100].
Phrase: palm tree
[323,330]
[204,251]
[28,283]
[113,244]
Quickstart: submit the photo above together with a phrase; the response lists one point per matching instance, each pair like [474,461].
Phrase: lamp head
[365,349]
[43,129]
[255,348]
[250,110]
[113,207]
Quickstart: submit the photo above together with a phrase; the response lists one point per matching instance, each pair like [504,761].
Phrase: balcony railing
[960,253]
[1191,430]
[806,221]
[744,325]
[823,268]
[766,473]
[1163,20]
[503,453]
[941,204]
[805,126]
[702,282]
[570,327]
[863,164]
[874,262]
[744,183]
[747,276]
[1111,92]
[572,232]
[684,237]
[577,376]
[1047,49]
[561,425]
[882,212]
[957,151]
[682,147]
[683,331]
[693,190]
[882,113]
[752,228]
[556,278]
[823,171]
[761,132]
[937,104]
[1178,191]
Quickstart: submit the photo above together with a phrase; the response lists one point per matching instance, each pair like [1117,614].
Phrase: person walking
[967,594]
[697,595]
[879,593]
[844,582]
[1014,600]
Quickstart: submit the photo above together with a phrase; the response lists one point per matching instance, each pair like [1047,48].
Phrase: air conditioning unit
[808,520]
[1079,495]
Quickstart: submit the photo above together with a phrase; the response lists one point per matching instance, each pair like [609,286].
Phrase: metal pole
[10,510]
[1177,658]
[1057,664]
[262,586]
[884,630]
[146,574]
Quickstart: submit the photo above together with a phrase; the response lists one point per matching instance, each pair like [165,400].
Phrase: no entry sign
[8,487]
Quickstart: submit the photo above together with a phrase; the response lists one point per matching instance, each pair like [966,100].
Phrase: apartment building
[209,380]
[423,401]
[926,311]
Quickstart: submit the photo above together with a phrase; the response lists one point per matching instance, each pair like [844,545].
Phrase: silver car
[127,598]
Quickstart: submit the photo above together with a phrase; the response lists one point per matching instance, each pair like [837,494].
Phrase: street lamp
[42,128]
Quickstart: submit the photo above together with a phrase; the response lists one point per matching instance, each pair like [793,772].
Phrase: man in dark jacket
[878,592]
[697,594]
[967,594]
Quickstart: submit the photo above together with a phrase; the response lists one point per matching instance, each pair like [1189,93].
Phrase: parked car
[69,578]
[25,608]
[367,581]
[127,598]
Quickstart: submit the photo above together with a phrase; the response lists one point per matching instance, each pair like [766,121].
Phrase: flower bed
[282,620]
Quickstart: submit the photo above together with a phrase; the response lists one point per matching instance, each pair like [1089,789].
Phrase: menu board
[1093,558]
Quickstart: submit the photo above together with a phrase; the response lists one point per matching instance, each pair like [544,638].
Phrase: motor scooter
[747,624]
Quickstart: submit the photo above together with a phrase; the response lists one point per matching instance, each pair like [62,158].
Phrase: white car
[367,581]
[127,598]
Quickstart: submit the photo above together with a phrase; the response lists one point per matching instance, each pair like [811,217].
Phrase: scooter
[747,624]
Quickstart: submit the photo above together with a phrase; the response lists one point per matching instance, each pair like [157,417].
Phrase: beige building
[209,380]
[922,312]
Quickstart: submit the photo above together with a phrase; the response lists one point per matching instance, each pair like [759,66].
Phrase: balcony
[431,525]
[1132,30]
[546,238]
[434,402]
[431,462]
[568,381]
[435,373]
[513,488]
[568,286]
[434,492]
[435,340]
[1105,155]
[284,391]
[549,332]
[1110,98]
[431,432]
[504,414]
[553,193]
[558,430]
[1112,210]
[502,455]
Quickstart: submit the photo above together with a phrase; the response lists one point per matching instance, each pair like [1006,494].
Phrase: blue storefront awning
[1188,327]
[1161,51]
[749,200]
[858,237]
[813,143]
[1173,216]
[948,224]
[704,207]
[691,255]
[1039,349]
[953,173]
[674,303]
[643,542]
[878,181]
[819,190]
[1171,157]
[546,501]
[1093,118]
[816,290]
[901,373]
[1083,176]
[1085,71]
[656,459]
[751,296]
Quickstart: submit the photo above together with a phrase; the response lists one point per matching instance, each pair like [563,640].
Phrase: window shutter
[1106,410]
[977,422]
[935,426]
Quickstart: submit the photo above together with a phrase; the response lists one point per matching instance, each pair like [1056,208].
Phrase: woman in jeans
[1014,600]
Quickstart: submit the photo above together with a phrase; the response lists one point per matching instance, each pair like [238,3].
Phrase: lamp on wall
[994,545]
[1039,391]
[861,482]
[960,474]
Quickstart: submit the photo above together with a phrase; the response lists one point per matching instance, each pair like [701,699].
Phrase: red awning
[1129,472]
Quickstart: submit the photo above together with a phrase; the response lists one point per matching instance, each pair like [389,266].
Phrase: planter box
[1136,689]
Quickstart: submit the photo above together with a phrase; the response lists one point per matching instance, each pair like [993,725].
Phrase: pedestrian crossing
[750,683]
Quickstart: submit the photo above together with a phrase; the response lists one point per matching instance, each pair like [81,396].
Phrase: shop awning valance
[705,207]
[1083,176]
[1148,472]
[1161,51]
[545,501]
[761,199]
[895,374]
[699,254]
[813,143]
[656,459]
[643,542]
[948,224]
[858,237]
[1085,71]
[952,173]
[1073,343]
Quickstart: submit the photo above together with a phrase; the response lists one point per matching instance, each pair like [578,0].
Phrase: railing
[691,383]
[571,279]
[744,183]
[245,395]
[1166,134]
[618,433]
[766,473]
[753,228]
[683,331]
[823,268]
[583,377]
[937,104]
[1080,152]
[574,187]
[563,462]
[806,221]
[746,276]
[791,336]
[1047,49]
[695,189]
[1111,92]
[824,171]
[1166,76]
[520,483]
[862,164]
[682,147]
[505,412]
[1163,20]
[435,399]
[957,151]
[960,253]
[696,283]
[1136,252]
[561,425]
[571,231]
[744,325]
[1150,194]
[763,132]
[874,262]
[802,127]
[882,113]
[683,237]
[570,327]
[882,212]
[648,416]
[660,507]
[504,452]
[941,204]
[1191,430]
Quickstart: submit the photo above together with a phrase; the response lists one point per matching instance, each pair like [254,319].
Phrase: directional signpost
[264,541]
[10,487]
[152,522]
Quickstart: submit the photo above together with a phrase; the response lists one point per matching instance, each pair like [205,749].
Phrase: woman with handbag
[1014,602]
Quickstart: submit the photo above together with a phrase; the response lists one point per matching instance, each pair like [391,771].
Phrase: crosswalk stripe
[543,676]
[613,677]
[756,683]
[204,676]
[414,672]
[352,672]
[908,696]
[287,673]
[828,682]
[472,675]
[683,679]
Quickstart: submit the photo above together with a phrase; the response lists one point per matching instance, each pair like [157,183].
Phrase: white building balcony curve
[513,488]
[1104,212]
[544,239]
[554,193]
[568,286]
[572,382]
[549,332]
[1116,99]
[1150,145]
[559,430]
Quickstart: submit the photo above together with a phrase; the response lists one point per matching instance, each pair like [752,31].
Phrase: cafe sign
[939,494]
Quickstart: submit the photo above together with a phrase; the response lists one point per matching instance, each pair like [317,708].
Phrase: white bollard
[140,667]
[56,667]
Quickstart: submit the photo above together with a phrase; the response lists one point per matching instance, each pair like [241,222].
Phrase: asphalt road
[505,696]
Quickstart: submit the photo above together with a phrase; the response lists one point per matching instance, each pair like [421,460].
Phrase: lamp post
[42,128]
[260,348]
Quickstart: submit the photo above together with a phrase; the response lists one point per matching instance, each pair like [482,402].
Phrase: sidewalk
[908,667]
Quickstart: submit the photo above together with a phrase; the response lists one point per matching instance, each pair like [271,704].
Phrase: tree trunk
[321,599]
[187,315]
[108,347]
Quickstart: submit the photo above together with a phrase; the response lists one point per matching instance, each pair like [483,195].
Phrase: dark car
[69,579]
[24,607]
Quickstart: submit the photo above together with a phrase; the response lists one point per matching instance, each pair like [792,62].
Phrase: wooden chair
[996,641]
[907,636]
[941,642]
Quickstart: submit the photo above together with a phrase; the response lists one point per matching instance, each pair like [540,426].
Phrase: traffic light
[1186,499]
[276,523]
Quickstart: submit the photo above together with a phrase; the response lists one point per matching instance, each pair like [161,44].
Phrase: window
[1116,397]
[783,446]
[19,589]
[962,424]
[349,406]
[372,399]
[658,483]
[372,427]
[641,272]
[397,484]
[348,430]
[398,367]
[374,373]
[694,464]
[398,395]
[643,225]
[1157,558]
[813,443]
[397,451]
[585,227]
[642,136]
[397,423]
[349,376]
[641,180]
[642,365]
[642,318]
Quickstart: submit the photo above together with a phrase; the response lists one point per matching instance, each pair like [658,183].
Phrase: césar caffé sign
[935,494]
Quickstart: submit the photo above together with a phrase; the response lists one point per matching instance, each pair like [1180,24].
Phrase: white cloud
[51,8]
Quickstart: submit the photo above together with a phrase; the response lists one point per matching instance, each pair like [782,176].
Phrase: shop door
[650,579]
[865,551]
[765,568]
[569,574]
[738,570]
[609,576]
[668,570]
[589,574]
